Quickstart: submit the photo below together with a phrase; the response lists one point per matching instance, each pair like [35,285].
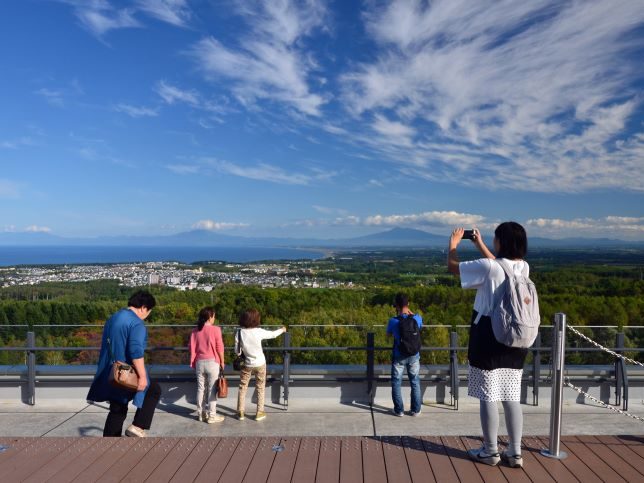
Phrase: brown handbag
[122,375]
[222,384]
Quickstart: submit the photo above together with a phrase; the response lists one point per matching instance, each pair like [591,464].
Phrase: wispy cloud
[261,172]
[217,225]
[184,168]
[606,227]
[17,143]
[172,94]
[55,97]
[325,210]
[533,95]
[99,16]
[37,229]
[9,189]
[136,111]
[175,12]
[269,63]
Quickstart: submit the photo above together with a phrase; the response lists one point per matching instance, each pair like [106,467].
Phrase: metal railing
[370,349]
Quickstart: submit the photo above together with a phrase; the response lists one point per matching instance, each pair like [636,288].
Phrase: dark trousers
[142,417]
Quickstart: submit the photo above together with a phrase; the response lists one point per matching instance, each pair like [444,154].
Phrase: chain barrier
[601,403]
[596,344]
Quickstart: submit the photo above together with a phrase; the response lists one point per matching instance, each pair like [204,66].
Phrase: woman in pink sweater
[207,357]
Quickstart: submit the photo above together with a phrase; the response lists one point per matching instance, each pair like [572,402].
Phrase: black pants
[142,417]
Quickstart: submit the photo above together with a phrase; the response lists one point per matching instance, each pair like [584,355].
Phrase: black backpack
[410,342]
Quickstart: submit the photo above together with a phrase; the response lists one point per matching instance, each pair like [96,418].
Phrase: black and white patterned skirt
[496,385]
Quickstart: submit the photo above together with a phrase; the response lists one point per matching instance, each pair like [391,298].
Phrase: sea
[60,255]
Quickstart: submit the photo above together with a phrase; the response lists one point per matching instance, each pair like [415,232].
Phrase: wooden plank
[113,455]
[532,458]
[13,447]
[329,460]
[395,460]
[606,439]
[464,467]
[631,439]
[307,460]
[626,453]
[284,463]
[238,465]
[76,467]
[260,466]
[218,460]
[597,466]
[173,460]
[555,468]
[61,461]
[439,460]
[419,467]
[34,457]
[135,453]
[373,461]
[633,443]
[488,473]
[351,460]
[612,459]
[151,459]
[196,460]
[573,463]
[512,474]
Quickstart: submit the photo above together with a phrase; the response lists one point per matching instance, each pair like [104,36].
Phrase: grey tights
[490,425]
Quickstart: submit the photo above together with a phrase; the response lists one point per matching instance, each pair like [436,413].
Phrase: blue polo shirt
[393,328]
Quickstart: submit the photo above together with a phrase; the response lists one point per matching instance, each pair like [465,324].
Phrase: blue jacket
[128,339]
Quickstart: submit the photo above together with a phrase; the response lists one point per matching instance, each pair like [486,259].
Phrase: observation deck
[325,423]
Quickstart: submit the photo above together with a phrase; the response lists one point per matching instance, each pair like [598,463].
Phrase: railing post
[621,379]
[558,362]
[370,365]
[31,368]
[286,369]
[453,368]
[536,369]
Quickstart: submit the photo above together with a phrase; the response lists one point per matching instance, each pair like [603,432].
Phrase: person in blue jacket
[401,361]
[124,339]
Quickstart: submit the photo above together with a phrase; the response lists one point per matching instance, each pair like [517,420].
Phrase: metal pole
[536,369]
[453,368]
[31,368]
[286,370]
[558,362]
[619,343]
[370,365]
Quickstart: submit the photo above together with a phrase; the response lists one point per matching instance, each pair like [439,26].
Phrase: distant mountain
[396,237]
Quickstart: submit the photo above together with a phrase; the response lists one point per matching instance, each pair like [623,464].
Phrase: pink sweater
[205,344]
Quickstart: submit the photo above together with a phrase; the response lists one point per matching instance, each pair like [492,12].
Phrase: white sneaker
[215,418]
[513,461]
[481,456]
[400,415]
[134,431]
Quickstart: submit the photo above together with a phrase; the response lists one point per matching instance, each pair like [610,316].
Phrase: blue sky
[327,119]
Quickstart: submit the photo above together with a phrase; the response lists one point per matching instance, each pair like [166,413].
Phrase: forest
[592,288]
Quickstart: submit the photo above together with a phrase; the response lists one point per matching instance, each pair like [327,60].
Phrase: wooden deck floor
[314,459]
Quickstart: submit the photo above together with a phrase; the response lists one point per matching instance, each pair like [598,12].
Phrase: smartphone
[469,235]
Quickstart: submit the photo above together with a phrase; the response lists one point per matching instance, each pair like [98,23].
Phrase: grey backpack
[515,313]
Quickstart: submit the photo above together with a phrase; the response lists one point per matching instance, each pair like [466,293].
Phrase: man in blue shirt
[405,354]
[124,339]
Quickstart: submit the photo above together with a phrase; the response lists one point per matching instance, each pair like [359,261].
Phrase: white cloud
[136,111]
[17,143]
[261,172]
[184,168]
[428,218]
[99,16]
[534,95]
[627,227]
[175,12]
[171,94]
[54,97]
[216,225]
[325,210]
[9,189]
[37,229]
[269,62]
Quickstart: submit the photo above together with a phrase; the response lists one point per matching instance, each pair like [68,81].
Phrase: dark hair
[513,241]
[250,319]
[204,316]
[401,300]
[142,298]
